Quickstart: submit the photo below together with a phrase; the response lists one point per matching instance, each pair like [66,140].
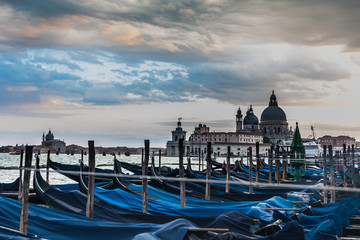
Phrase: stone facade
[52,144]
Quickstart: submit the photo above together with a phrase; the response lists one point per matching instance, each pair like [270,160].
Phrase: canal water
[9,164]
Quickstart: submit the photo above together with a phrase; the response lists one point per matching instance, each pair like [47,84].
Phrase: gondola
[240,188]
[11,190]
[83,181]
[137,170]
[75,201]
[197,190]
[72,171]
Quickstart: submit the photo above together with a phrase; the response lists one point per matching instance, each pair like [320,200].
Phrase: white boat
[312,149]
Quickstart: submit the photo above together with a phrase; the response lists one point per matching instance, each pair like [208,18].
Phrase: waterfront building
[337,142]
[50,143]
[239,142]
[248,131]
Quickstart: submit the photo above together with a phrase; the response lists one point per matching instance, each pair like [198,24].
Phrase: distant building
[248,131]
[239,141]
[50,143]
[273,123]
[172,146]
[337,142]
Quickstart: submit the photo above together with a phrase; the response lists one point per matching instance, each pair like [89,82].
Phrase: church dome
[273,111]
[250,118]
[49,136]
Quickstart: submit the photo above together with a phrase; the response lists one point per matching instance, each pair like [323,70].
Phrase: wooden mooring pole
[47,166]
[159,161]
[145,164]
[250,170]
[91,186]
[199,159]
[344,163]
[270,162]
[325,192]
[20,173]
[208,171]
[277,164]
[331,162]
[227,188]
[25,190]
[284,165]
[257,149]
[353,161]
[181,172]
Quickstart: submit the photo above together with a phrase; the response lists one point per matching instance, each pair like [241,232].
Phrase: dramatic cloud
[106,54]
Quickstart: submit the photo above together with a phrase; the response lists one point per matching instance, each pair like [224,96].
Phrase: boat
[11,190]
[17,152]
[313,150]
[75,201]
[72,171]
[80,227]
[197,190]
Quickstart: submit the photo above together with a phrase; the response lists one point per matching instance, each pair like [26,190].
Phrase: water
[12,162]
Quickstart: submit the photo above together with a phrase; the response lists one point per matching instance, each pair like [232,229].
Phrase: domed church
[50,143]
[273,122]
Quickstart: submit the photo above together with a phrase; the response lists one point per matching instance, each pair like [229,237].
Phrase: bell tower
[239,120]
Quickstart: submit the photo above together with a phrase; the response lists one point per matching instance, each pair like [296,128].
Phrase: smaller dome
[49,136]
[250,118]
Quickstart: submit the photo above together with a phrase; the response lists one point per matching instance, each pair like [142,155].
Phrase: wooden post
[325,192]
[270,162]
[144,176]
[20,174]
[199,152]
[142,156]
[250,170]
[25,190]
[160,161]
[344,163]
[277,165]
[181,172]
[202,159]
[47,166]
[353,162]
[227,188]
[257,146]
[284,165]
[332,197]
[82,155]
[208,171]
[91,177]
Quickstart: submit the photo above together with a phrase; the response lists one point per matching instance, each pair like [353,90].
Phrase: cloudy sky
[119,72]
